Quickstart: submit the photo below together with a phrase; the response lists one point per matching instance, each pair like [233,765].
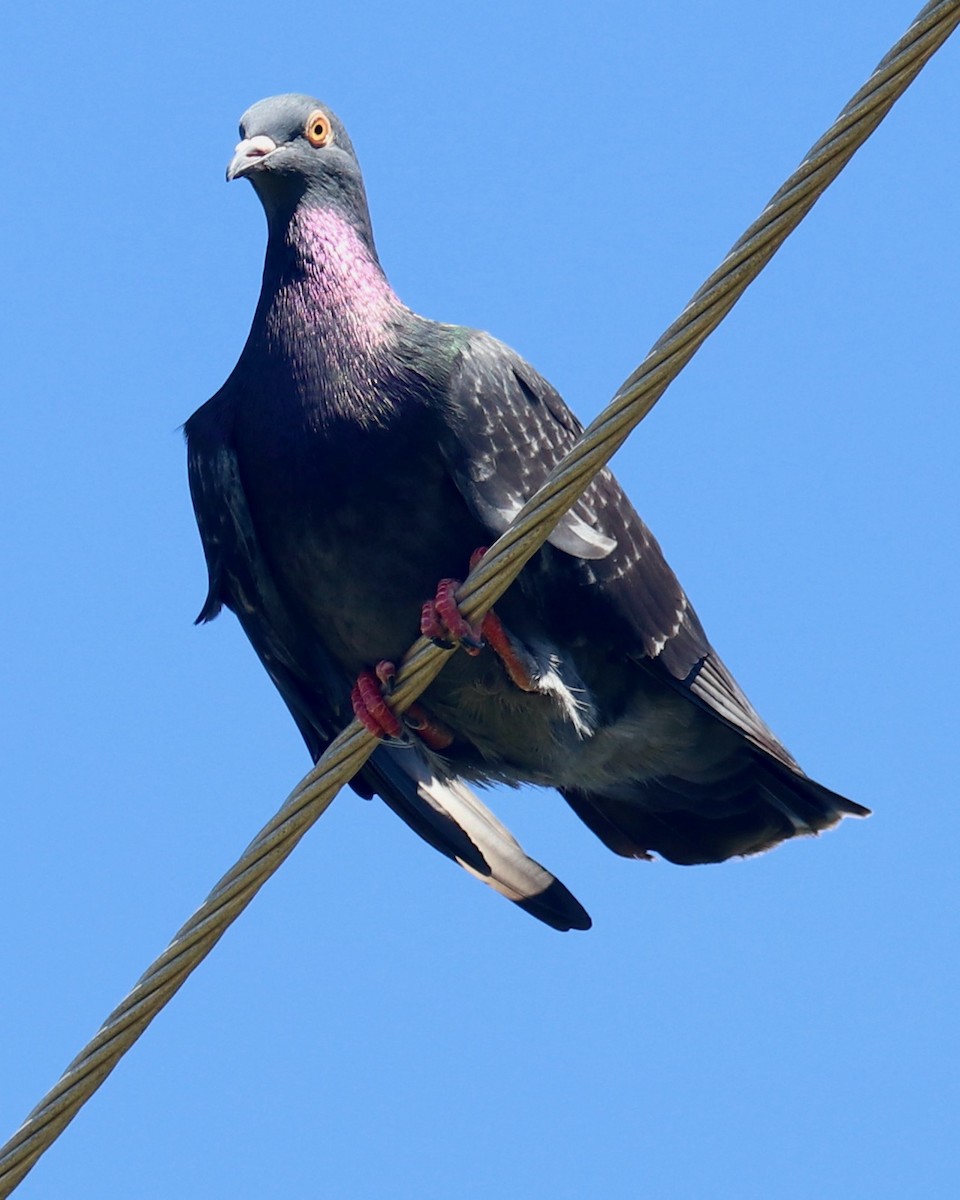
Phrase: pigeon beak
[249,154]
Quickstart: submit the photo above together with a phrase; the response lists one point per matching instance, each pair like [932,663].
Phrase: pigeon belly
[358,533]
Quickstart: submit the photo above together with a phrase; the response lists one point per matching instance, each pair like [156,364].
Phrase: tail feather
[450,817]
[750,810]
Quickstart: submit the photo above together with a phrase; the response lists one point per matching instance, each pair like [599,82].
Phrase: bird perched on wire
[343,476]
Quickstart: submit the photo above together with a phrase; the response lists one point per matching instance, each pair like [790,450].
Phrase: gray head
[294,150]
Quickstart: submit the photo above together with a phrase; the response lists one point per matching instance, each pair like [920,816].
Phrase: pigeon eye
[318,130]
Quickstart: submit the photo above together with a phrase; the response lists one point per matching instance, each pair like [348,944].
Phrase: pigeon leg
[373,711]
[443,623]
[431,731]
[516,662]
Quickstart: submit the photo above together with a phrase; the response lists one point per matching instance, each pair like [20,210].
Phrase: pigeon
[355,459]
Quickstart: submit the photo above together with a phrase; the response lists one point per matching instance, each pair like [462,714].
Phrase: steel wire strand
[485,584]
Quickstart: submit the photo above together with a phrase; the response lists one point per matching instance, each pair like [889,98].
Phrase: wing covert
[511,428]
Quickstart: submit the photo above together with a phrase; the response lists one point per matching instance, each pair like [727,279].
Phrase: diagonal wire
[483,587]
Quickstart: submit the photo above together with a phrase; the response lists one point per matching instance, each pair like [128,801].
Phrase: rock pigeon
[358,455]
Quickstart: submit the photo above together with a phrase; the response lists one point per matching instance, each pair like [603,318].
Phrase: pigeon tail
[688,823]
[445,812]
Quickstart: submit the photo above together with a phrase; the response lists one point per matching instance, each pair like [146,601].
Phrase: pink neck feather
[342,293]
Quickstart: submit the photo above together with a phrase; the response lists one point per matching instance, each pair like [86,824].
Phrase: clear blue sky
[377,1024]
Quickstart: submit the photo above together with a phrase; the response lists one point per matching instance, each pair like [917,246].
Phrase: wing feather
[511,428]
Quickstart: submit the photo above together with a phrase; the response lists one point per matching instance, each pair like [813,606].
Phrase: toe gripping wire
[484,585]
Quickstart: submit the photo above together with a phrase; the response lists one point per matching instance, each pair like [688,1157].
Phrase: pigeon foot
[370,706]
[373,711]
[443,623]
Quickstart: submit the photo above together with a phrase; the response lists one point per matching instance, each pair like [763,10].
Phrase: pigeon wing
[509,428]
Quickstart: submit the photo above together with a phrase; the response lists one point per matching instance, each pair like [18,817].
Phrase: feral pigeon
[354,460]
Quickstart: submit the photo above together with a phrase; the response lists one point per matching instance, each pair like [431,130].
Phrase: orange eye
[317,129]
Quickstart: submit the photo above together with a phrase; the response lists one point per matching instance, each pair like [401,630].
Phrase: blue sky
[377,1024]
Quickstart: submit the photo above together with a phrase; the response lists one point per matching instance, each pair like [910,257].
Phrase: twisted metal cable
[483,587]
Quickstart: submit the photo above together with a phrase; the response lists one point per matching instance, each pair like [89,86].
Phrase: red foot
[369,705]
[443,623]
[375,714]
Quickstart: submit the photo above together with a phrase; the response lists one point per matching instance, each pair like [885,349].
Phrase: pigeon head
[296,153]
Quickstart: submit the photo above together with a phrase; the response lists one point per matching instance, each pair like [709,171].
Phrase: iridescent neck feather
[336,291]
